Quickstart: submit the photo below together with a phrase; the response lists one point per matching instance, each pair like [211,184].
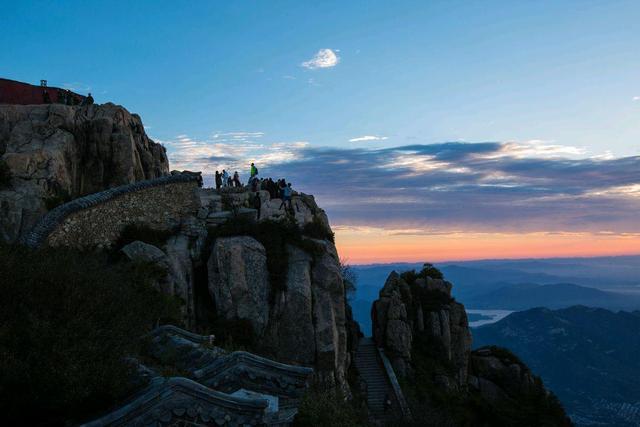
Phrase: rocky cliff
[255,274]
[425,334]
[53,153]
[273,285]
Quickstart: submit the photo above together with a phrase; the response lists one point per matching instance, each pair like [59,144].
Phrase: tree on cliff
[69,320]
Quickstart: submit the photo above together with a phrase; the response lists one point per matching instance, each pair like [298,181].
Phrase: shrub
[60,198]
[349,277]
[317,230]
[153,236]
[69,320]
[428,270]
[327,408]
[5,175]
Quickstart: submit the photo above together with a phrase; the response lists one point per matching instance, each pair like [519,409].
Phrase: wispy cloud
[229,150]
[324,58]
[511,187]
[77,86]
[368,138]
[636,98]
[484,187]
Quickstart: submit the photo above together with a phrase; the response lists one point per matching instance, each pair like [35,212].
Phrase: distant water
[488,316]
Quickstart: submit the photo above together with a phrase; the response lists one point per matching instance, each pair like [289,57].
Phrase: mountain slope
[559,295]
[587,356]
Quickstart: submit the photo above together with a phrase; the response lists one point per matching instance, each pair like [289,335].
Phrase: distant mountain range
[558,295]
[589,357]
[607,282]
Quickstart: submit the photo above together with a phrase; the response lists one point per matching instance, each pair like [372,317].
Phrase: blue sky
[411,71]
[556,85]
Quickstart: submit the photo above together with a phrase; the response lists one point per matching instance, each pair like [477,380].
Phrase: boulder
[140,251]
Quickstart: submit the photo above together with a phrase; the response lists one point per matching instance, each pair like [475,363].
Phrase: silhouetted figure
[218,180]
[255,184]
[70,98]
[45,97]
[257,203]
[225,178]
[286,196]
[88,100]
[236,179]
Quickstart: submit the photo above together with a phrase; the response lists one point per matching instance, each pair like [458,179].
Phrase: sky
[428,131]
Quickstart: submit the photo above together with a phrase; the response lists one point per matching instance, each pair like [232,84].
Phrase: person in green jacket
[254,170]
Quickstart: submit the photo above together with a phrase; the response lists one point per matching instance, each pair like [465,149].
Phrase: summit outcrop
[52,153]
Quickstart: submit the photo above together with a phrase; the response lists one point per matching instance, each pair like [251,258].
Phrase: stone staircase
[372,372]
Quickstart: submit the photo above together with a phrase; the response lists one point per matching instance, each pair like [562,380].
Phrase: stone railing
[395,385]
[98,219]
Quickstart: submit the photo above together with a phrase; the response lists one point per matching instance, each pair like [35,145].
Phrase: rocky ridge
[425,334]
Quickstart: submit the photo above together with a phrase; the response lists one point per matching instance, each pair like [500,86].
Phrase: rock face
[425,334]
[426,309]
[305,323]
[56,152]
[239,280]
[179,257]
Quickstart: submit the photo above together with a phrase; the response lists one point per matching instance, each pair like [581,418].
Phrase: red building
[14,92]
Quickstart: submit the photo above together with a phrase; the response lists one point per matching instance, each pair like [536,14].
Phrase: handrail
[395,385]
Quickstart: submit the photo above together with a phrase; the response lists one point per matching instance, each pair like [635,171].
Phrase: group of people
[67,97]
[279,189]
[225,180]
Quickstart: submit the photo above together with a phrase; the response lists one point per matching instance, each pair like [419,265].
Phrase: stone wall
[97,220]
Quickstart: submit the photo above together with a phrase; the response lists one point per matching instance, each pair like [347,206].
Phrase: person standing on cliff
[236,180]
[218,180]
[253,172]
[286,196]
[225,178]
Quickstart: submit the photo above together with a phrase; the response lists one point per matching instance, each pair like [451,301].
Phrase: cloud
[368,138]
[636,98]
[229,150]
[324,58]
[77,86]
[483,187]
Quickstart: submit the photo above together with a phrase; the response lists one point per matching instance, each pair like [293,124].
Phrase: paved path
[373,374]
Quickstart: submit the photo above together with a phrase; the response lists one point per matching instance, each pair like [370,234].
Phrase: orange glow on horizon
[363,245]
